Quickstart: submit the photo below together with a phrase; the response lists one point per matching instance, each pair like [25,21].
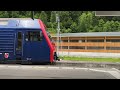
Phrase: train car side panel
[47,40]
[35,47]
[7,44]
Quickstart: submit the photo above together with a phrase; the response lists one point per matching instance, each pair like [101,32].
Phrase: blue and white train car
[26,41]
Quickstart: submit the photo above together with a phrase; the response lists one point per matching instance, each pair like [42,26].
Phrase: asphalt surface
[88,64]
[54,72]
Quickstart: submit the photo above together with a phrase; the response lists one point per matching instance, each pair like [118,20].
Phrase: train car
[26,41]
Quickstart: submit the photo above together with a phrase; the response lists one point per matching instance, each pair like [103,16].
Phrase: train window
[19,41]
[33,36]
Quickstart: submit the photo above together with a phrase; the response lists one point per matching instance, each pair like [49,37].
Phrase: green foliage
[74,27]
[43,17]
[93,59]
[70,21]
[4,14]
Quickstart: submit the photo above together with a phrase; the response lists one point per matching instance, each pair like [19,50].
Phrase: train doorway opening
[19,46]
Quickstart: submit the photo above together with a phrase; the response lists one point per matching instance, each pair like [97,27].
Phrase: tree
[117,26]
[65,19]
[85,22]
[95,29]
[89,21]
[15,14]
[106,26]
[74,27]
[70,21]
[43,17]
[75,15]
[53,17]
[101,26]
[82,23]
[4,14]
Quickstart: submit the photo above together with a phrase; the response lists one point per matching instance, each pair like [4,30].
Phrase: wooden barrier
[86,44]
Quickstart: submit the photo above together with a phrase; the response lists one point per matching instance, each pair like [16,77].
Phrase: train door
[19,45]
[35,47]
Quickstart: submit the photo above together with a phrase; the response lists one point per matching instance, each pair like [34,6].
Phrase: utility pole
[32,15]
[58,32]
[12,14]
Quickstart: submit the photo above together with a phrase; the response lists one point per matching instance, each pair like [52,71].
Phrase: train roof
[20,23]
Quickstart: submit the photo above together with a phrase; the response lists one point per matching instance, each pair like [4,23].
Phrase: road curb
[86,64]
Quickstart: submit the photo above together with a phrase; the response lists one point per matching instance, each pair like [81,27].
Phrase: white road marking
[2,66]
[38,67]
[97,70]
[25,67]
[115,74]
[82,68]
[13,66]
[66,67]
[116,70]
[53,67]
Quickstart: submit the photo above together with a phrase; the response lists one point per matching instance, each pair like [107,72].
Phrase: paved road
[50,72]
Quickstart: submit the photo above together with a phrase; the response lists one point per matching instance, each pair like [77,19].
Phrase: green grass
[91,59]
